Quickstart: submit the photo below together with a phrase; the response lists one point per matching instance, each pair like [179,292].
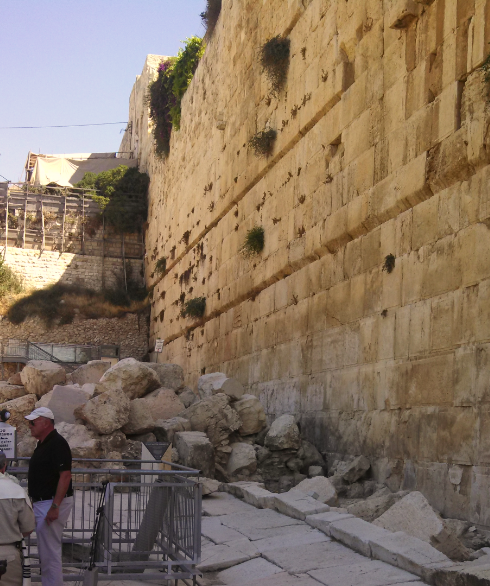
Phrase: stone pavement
[245,546]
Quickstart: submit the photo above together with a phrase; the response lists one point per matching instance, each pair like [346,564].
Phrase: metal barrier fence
[149,525]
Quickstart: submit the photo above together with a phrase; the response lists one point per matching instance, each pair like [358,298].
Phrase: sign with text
[159,346]
[7,439]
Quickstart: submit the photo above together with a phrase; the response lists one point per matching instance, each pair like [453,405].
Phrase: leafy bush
[210,16]
[161,265]
[262,143]
[194,307]
[122,195]
[274,58]
[254,241]
[166,92]
[10,282]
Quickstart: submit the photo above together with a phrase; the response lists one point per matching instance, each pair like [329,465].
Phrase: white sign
[7,439]
[159,345]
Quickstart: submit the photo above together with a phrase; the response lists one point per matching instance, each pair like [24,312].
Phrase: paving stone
[356,533]
[222,503]
[220,557]
[369,573]
[216,532]
[303,558]
[290,539]
[282,579]
[236,488]
[260,524]
[322,521]
[298,505]
[253,570]
[259,497]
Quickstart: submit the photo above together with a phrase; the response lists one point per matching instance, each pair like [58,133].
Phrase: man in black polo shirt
[50,488]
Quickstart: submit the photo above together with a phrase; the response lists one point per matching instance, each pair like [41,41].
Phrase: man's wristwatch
[55,506]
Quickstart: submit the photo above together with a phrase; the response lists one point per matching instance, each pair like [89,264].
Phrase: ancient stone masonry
[367,312]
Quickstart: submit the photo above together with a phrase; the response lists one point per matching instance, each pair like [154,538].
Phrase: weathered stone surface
[283,434]
[227,507]
[214,416]
[134,378]
[321,486]
[356,469]
[217,382]
[298,505]
[164,404]
[310,456]
[140,418]
[273,464]
[213,529]
[373,507]
[251,413]
[220,557]
[89,388]
[64,400]
[107,412]
[15,379]
[306,537]
[356,534]
[40,376]
[254,569]
[90,373]
[9,392]
[242,460]
[83,442]
[314,471]
[367,573]
[195,451]
[209,486]
[26,446]
[165,429]
[188,397]
[19,408]
[322,521]
[171,376]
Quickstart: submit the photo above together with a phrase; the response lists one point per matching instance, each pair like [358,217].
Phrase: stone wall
[381,150]
[39,269]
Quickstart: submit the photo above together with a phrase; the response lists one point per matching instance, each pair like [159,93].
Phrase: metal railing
[149,526]
[65,354]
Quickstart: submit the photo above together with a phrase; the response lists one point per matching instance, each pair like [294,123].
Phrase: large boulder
[374,506]
[242,461]
[251,414]
[40,376]
[217,382]
[15,379]
[18,409]
[322,486]
[83,442]
[215,417]
[195,451]
[140,418]
[90,373]
[310,456]
[64,400]
[165,429]
[134,378]
[283,434]
[9,392]
[188,397]
[164,404]
[272,465]
[414,515]
[356,469]
[171,376]
[26,446]
[107,412]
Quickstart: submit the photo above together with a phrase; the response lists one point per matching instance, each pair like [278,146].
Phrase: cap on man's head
[40,412]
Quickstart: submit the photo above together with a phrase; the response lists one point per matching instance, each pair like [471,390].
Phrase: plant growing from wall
[10,282]
[254,241]
[161,265]
[262,143]
[194,307]
[274,58]
[210,16]
[122,196]
[389,263]
[486,69]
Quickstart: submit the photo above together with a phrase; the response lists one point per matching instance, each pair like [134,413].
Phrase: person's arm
[63,484]
[25,517]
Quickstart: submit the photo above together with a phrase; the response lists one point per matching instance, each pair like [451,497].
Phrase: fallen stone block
[298,505]
[195,451]
[322,487]
[90,373]
[217,382]
[242,460]
[40,376]
[83,442]
[214,416]
[140,418]
[357,534]
[251,414]
[9,392]
[134,378]
[208,485]
[165,429]
[164,404]
[19,408]
[236,488]
[171,376]
[188,397]
[356,469]
[310,456]
[258,497]
[372,508]
[283,434]
[314,471]
[15,379]
[64,400]
[107,412]
[322,521]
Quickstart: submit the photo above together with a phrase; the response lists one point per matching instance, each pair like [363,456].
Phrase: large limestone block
[251,414]
[26,446]
[195,451]
[9,392]
[90,373]
[171,376]
[283,434]
[18,409]
[140,418]
[134,378]
[322,486]
[298,505]
[40,376]
[217,382]
[164,404]
[15,379]
[310,455]
[107,412]
[83,442]
[64,400]
[188,397]
[356,469]
[213,416]
[165,429]
[243,460]
[373,507]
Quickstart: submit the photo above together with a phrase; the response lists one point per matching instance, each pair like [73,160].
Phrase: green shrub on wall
[194,307]
[274,58]
[254,241]
[210,16]
[262,143]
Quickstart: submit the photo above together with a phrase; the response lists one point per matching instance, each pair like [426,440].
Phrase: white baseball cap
[40,412]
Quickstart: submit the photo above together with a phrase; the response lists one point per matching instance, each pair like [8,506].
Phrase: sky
[75,62]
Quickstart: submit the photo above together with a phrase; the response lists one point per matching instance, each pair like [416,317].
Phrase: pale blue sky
[75,62]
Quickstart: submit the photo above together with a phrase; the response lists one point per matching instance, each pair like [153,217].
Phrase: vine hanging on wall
[274,58]
[165,93]
[254,241]
[262,143]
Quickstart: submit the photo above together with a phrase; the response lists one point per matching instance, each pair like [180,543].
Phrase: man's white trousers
[49,540]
